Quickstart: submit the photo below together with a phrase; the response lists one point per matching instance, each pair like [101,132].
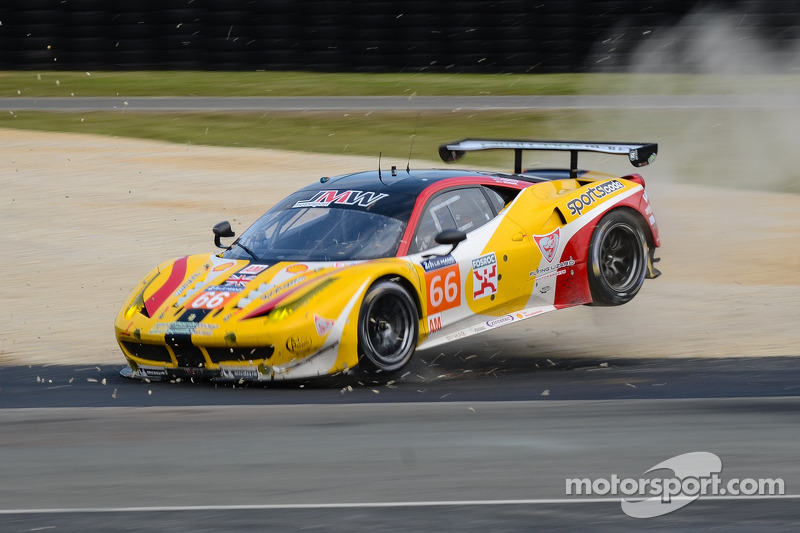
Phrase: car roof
[411,182]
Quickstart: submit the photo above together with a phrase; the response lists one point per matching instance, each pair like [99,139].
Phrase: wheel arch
[650,237]
[406,284]
[643,225]
[380,349]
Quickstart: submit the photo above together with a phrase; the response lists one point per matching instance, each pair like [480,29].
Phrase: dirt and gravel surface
[85,217]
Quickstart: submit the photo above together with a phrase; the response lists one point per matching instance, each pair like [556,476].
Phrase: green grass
[752,149]
[350,133]
[361,133]
[193,83]
[743,148]
[353,133]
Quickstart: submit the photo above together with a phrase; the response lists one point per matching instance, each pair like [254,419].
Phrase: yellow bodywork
[235,320]
[316,320]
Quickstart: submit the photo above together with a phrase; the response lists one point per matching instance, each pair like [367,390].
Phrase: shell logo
[295,269]
[223,266]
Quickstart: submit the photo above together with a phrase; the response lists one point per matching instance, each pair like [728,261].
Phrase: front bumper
[198,366]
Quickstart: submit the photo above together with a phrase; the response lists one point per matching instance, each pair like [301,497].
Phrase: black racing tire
[388,328]
[617,262]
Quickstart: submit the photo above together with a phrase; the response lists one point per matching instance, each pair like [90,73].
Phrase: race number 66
[210,300]
[444,289]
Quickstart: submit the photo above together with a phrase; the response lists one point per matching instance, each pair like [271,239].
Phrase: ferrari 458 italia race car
[359,271]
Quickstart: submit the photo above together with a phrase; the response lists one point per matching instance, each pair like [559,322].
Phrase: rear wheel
[388,326]
[617,258]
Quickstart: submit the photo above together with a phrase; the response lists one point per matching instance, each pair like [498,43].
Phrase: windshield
[304,231]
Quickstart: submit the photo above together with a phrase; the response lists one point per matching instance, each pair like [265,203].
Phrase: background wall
[373,36]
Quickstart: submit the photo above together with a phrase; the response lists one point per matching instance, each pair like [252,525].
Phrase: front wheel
[388,327]
[617,259]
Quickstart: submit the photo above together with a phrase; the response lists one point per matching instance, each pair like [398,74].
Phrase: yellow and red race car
[361,270]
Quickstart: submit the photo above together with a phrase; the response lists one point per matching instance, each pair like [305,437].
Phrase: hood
[208,283]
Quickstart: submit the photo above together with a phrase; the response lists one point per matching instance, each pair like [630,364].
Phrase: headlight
[138,305]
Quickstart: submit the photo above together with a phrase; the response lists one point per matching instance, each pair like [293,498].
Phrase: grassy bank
[193,83]
[744,148]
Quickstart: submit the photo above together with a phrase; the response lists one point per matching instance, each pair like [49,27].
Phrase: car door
[485,274]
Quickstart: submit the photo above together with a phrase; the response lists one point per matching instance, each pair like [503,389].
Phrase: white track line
[367,505]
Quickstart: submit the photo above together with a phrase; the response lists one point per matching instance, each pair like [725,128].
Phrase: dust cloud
[749,138]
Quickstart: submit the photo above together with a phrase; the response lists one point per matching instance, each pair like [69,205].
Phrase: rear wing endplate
[639,154]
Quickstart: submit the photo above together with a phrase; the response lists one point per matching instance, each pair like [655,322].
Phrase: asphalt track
[477,443]
[455,445]
[388,103]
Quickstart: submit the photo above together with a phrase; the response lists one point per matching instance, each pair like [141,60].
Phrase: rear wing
[639,154]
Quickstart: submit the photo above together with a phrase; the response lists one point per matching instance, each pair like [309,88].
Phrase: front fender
[322,323]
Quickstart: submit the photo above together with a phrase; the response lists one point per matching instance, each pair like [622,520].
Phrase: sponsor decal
[548,244]
[239,372]
[323,325]
[648,210]
[443,281]
[239,280]
[206,330]
[435,323]
[438,262]
[592,194]
[213,299]
[183,328]
[217,265]
[296,269]
[298,344]
[552,269]
[230,288]
[253,269]
[457,335]
[506,181]
[484,276]
[497,322]
[350,197]
[552,274]
[186,284]
[266,291]
[633,155]
[152,372]
[223,266]
[279,288]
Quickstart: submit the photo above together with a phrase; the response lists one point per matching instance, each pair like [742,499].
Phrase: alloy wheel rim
[388,329]
[620,257]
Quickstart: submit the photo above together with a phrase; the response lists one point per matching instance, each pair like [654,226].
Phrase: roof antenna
[408,165]
[380,154]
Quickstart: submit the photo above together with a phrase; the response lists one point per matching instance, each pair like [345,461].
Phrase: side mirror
[451,236]
[222,229]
